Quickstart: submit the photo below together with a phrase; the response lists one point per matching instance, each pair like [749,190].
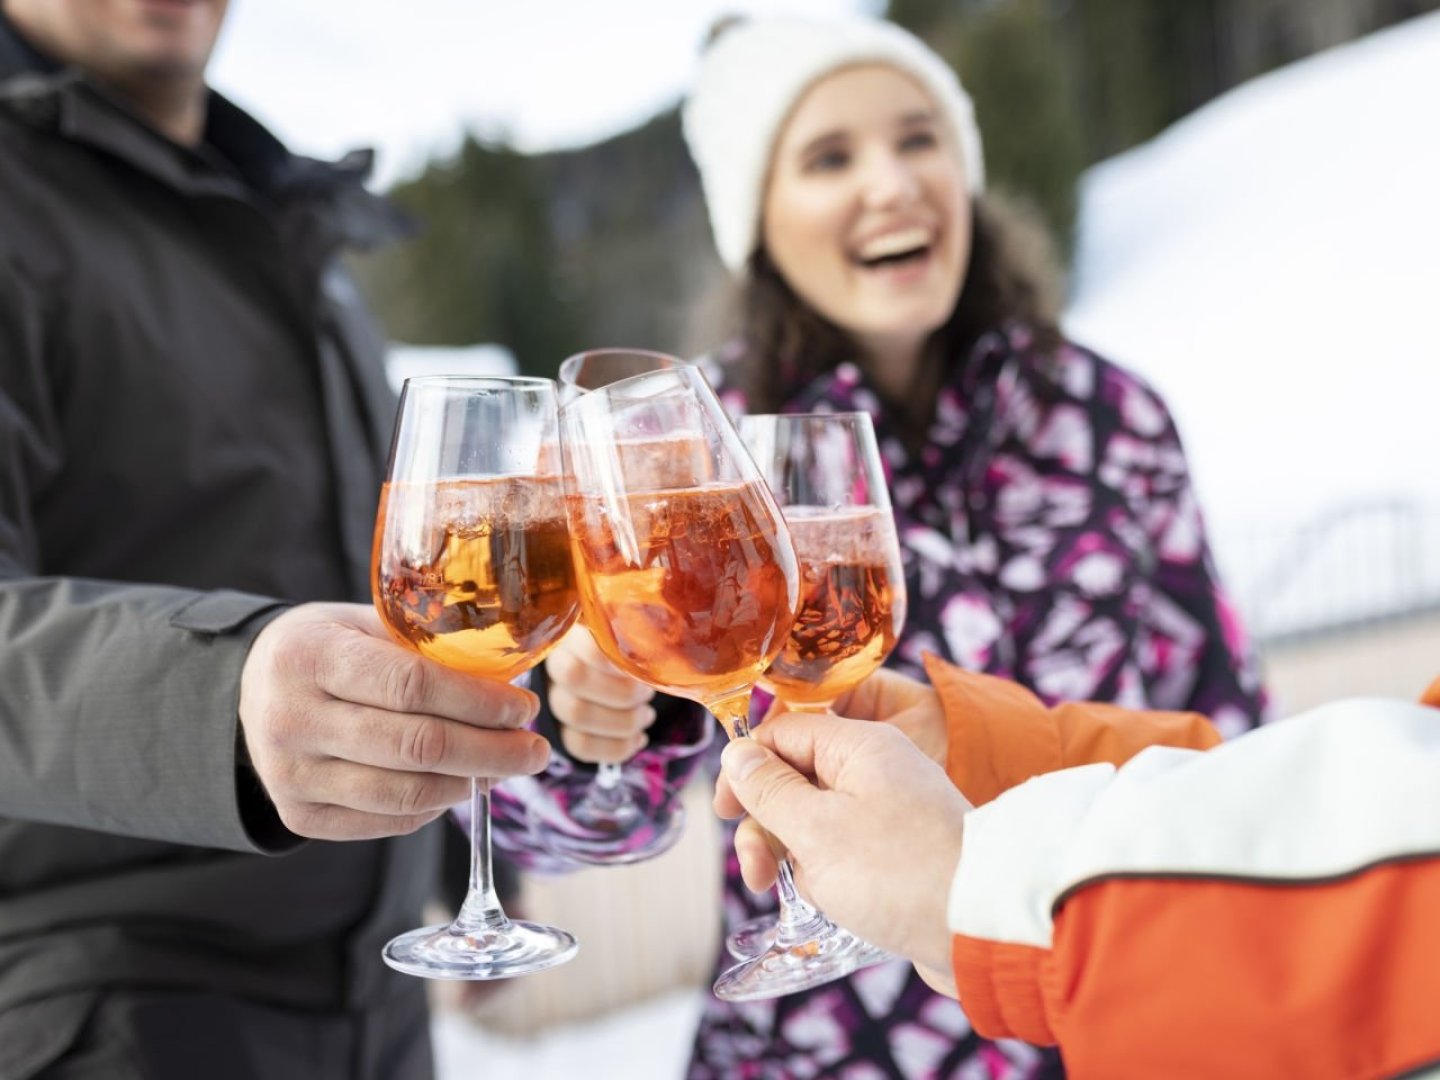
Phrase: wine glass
[825,472]
[689,582]
[594,368]
[623,815]
[472,568]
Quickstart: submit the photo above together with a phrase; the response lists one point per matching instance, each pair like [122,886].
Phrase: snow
[407,361]
[648,1041]
[1271,264]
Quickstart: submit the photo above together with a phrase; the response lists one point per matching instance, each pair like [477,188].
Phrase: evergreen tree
[483,268]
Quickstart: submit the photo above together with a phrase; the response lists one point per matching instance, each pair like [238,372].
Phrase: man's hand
[873,826]
[603,713]
[911,706]
[355,737]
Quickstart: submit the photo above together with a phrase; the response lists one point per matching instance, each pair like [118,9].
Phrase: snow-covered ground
[408,361]
[649,1041]
[1272,265]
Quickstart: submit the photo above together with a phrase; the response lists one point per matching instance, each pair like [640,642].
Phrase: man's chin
[163,69]
[167,45]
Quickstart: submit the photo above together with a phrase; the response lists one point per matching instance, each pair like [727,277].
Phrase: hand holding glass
[622,816]
[826,474]
[472,569]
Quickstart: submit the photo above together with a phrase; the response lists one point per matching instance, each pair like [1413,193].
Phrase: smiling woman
[866,214]
[1046,521]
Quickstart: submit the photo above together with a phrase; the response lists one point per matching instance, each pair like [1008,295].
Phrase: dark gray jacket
[193,417]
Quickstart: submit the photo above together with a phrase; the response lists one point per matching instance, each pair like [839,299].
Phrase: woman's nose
[888,179]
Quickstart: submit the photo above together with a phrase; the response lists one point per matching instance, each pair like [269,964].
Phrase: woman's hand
[602,712]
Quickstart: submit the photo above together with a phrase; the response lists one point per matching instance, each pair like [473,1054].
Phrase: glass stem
[606,802]
[733,712]
[798,921]
[481,910]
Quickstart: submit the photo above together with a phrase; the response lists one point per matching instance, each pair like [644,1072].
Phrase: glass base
[603,830]
[513,948]
[752,938]
[812,962]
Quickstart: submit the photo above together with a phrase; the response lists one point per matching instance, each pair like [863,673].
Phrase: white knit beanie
[755,73]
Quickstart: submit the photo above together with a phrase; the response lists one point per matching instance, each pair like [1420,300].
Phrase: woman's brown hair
[1012,276]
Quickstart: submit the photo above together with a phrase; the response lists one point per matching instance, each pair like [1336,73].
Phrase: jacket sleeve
[1000,734]
[1264,909]
[118,702]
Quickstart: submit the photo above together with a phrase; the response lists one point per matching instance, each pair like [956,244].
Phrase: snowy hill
[1271,264]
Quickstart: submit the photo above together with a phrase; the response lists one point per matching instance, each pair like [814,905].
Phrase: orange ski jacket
[1269,907]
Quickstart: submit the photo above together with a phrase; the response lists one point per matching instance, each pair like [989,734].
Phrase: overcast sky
[408,78]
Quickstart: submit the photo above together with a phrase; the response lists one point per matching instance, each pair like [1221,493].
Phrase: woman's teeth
[895,246]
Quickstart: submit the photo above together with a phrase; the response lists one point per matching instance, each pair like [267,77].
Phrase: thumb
[773,793]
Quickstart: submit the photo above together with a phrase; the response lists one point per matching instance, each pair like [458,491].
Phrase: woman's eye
[828,161]
[918,140]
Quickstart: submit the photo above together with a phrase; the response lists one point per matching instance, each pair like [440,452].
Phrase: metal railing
[1354,565]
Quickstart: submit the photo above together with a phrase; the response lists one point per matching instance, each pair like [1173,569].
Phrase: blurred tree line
[609,244]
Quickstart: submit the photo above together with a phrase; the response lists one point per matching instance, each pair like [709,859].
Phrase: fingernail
[520,713]
[740,758]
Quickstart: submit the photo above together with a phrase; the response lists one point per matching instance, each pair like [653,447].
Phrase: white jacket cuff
[1014,848]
